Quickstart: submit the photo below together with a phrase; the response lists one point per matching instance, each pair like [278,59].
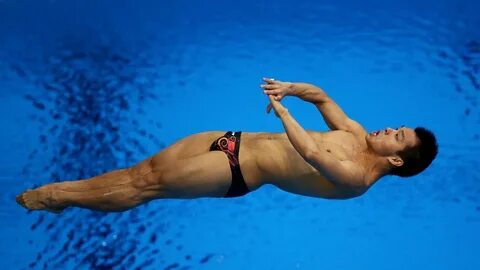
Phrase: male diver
[338,164]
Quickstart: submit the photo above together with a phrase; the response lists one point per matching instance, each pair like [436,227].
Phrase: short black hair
[417,158]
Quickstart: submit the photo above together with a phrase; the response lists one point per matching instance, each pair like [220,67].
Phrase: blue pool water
[90,86]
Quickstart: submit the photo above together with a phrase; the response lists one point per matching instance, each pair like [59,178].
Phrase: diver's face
[389,142]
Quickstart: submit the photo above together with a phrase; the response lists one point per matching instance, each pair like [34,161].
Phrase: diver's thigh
[204,175]
[187,147]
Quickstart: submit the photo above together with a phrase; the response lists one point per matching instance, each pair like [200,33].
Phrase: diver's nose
[388,130]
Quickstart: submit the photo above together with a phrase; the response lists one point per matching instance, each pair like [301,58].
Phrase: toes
[20,200]
[36,200]
[31,200]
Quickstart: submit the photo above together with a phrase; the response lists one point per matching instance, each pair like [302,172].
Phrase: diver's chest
[341,147]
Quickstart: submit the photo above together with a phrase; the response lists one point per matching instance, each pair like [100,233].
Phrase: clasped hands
[276,90]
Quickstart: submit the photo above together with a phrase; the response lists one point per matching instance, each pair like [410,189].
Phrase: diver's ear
[395,161]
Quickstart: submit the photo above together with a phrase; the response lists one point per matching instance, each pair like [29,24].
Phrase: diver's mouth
[376,133]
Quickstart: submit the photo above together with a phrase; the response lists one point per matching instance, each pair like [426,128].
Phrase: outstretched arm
[344,173]
[300,139]
[333,115]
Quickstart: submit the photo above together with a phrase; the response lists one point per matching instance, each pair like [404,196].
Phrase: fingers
[277,107]
[269,80]
[271,89]
[278,95]
[272,92]
[269,86]
[269,107]
[275,99]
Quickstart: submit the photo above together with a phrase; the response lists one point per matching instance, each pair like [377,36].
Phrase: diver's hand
[277,89]
[280,111]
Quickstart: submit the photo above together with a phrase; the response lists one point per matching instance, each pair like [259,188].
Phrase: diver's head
[408,151]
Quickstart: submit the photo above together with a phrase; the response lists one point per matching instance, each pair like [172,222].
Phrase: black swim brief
[230,145]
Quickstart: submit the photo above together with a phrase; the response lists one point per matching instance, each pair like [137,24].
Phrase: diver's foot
[39,199]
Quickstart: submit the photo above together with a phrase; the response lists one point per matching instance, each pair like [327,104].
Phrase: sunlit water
[88,86]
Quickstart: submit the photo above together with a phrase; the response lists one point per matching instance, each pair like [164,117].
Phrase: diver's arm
[308,92]
[342,173]
[300,139]
[334,116]
[298,136]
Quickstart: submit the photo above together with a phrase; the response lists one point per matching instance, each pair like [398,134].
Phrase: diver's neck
[376,166]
